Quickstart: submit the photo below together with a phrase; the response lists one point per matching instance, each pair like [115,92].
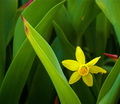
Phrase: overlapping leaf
[7,12]
[34,14]
[112,96]
[16,75]
[81,15]
[49,60]
[112,11]
[111,85]
[20,67]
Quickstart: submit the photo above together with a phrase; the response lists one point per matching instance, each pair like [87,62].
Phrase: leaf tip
[26,5]
[25,26]
[112,56]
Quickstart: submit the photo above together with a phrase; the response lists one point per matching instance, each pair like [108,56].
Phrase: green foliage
[31,50]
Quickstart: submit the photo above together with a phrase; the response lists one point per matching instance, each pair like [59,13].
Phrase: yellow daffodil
[82,70]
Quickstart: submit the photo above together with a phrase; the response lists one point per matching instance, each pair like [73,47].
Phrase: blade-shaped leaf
[68,49]
[110,81]
[7,7]
[16,75]
[39,92]
[112,11]
[63,20]
[38,9]
[8,94]
[7,12]
[113,95]
[68,52]
[50,62]
[82,12]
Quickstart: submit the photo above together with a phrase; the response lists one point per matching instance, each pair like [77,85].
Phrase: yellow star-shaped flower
[82,70]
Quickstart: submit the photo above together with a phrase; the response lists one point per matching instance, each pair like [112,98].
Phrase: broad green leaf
[11,33]
[50,62]
[33,97]
[96,34]
[14,95]
[56,46]
[82,90]
[7,12]
[113,95]
[112,11]
[111,79]
[2,56]
[63,20]
[39,92]
[38,9]
[8,9]
[82,12]
[102,33]
[68,48]
[16,75]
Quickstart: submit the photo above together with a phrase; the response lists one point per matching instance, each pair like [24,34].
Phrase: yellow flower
[82,70]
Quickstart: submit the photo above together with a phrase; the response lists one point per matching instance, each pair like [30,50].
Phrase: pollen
[83,70]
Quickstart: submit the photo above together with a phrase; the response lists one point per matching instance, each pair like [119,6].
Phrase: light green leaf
[19,69]
[111,83]
[112,11]
[113,95]
[38,9]
[50,62]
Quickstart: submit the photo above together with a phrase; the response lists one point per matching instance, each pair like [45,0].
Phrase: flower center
[83,70]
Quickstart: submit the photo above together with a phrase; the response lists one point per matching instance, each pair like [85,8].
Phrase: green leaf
[69,53]
[82,12]
[11,33]
[21,64]
[7,12]
[39,92]
[56,46]
[68,49]
[102,33]
[24,1]
[16,75]
[7,7]
[111,83]
[112,11]
[66,25]
[96,34]
[113,95]
[38,9]
[50,62]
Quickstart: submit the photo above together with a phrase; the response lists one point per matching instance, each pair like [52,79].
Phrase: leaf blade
[51,64]
[109,81]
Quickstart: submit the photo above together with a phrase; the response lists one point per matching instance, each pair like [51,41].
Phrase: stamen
[84,70]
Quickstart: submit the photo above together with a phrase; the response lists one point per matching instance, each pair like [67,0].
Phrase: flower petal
[80,55]
[93,62]
[74,77]
[88,80]
[71,65]
[96,69]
